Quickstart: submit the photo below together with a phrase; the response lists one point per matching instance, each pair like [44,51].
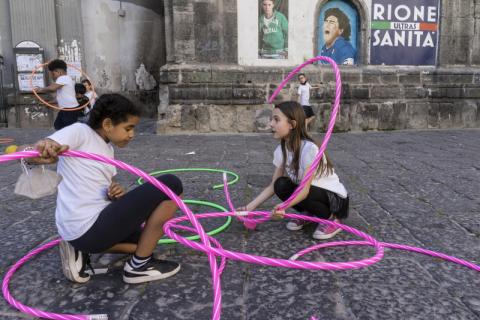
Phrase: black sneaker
[74,263]
[153,270]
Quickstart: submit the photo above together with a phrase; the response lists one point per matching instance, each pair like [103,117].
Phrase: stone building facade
[213,80]
[119,44]
[194,64]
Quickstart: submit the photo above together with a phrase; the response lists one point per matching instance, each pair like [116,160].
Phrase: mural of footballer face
[331,30]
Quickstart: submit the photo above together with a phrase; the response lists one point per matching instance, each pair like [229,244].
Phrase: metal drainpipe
[3,106]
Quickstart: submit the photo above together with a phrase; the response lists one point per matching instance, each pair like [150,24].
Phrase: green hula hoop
[210,233]
[217,186]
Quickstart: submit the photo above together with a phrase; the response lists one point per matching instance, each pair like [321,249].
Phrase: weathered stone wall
[125,48]
[460,33]
[201,31]
[208,91]
[120,44]
[209,98]
[25,112]
[119,37]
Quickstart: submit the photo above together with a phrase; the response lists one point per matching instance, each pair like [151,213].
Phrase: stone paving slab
[419,188]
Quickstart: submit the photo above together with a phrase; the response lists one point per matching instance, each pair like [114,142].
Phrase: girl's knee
[173,182]
[282,185]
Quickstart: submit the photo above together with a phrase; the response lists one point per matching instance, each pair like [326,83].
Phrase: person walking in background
[304,98]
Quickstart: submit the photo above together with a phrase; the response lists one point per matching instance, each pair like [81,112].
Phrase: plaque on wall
[29,56]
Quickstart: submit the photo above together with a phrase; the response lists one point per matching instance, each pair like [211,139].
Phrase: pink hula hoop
[331,123]
[206,246]
[206,241]
[274,261]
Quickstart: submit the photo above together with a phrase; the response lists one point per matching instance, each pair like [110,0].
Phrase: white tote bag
[37,182]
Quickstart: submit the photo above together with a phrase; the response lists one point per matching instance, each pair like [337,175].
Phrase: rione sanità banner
[404,32]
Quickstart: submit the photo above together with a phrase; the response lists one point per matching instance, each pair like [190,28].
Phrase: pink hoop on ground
[391,246]
[206,245]
[203,236]
[32,311]
[248,221]
[275,262]
[216,271]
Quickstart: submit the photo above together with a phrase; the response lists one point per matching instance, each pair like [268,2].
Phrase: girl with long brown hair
[324,195]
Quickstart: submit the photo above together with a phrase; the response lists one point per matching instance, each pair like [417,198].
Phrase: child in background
[324,195]
[94,214]
[82,100]
[304,98]
[91,95]
[64,87]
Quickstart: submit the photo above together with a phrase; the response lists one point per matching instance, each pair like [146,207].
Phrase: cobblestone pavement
[420,188]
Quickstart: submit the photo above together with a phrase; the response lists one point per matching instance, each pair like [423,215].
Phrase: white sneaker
[323,231]
[74,263]
[296,224]
[153,270]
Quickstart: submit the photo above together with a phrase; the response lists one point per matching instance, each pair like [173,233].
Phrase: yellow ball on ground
[11,149]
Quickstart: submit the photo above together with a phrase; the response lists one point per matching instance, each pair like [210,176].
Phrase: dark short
[308,111]
[66,118]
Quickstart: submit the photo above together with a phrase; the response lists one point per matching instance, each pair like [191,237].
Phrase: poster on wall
[24,84]
[404,32]
[26,62]
[74,73]
[338,32]
[273,29]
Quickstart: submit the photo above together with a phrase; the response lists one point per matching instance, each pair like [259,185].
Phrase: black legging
[316,203]
[121,220]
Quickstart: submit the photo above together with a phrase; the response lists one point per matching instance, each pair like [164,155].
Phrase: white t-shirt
[307,155]
[304,94]
[92,97]
[82,193]
[66,94]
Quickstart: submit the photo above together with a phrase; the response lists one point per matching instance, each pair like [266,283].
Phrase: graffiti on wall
[70,53]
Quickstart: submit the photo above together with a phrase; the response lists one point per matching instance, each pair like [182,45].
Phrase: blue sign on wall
[404,32]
